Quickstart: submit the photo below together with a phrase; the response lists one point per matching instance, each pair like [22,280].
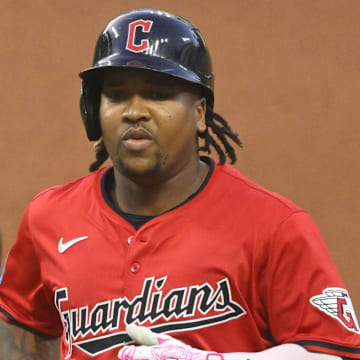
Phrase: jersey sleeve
[23,297]
[307,301]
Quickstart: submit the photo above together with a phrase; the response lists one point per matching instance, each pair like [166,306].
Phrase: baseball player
[166,254]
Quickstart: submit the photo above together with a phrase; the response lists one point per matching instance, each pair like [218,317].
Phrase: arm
[24,301]
[162,347]
[19,344]
[281,352]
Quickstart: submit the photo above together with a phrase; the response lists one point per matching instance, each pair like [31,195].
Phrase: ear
[200,107]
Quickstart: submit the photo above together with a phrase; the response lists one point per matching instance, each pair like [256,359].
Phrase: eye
[115,95]
[159,94]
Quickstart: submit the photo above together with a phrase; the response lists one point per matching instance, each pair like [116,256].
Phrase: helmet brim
[150,63]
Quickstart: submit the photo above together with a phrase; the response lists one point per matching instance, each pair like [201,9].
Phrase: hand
[160,347]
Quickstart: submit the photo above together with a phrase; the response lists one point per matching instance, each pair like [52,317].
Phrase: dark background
[287,79]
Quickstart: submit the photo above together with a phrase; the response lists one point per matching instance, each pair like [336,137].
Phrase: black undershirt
[107,183]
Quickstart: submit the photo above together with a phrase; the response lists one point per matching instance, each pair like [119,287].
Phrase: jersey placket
[133,263]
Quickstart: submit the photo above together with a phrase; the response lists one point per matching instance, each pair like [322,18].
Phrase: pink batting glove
[160,347]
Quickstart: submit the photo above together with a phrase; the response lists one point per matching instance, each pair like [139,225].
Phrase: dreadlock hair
[215,125]
[100,153]
[222,130]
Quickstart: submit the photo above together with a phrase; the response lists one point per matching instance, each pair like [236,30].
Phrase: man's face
[149,122]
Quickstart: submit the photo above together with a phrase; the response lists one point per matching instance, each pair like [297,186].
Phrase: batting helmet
[149,39]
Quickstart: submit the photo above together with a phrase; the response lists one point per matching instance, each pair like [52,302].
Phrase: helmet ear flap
[89,109]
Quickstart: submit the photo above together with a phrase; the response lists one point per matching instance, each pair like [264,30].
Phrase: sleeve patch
[336,303]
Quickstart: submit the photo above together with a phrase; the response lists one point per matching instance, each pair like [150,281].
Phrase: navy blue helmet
[149,39]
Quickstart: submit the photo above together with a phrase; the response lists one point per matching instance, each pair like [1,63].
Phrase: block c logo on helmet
[144,44]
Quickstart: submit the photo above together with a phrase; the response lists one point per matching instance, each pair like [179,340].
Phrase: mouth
[137,139]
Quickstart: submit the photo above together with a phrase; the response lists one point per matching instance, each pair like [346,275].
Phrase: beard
[142,170]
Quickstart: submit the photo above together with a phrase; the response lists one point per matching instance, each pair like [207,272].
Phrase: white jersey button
[130,239]
[135,267]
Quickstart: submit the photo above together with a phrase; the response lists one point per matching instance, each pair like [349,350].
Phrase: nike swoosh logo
[63,247]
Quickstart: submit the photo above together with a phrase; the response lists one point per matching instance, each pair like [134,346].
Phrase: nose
[136,109]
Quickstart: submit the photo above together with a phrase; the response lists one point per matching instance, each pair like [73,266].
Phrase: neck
[155,198]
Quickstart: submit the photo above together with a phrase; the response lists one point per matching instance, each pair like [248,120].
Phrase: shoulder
[237,186]
[65,197]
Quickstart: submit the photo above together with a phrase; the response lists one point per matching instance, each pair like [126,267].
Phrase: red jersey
[233,259]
